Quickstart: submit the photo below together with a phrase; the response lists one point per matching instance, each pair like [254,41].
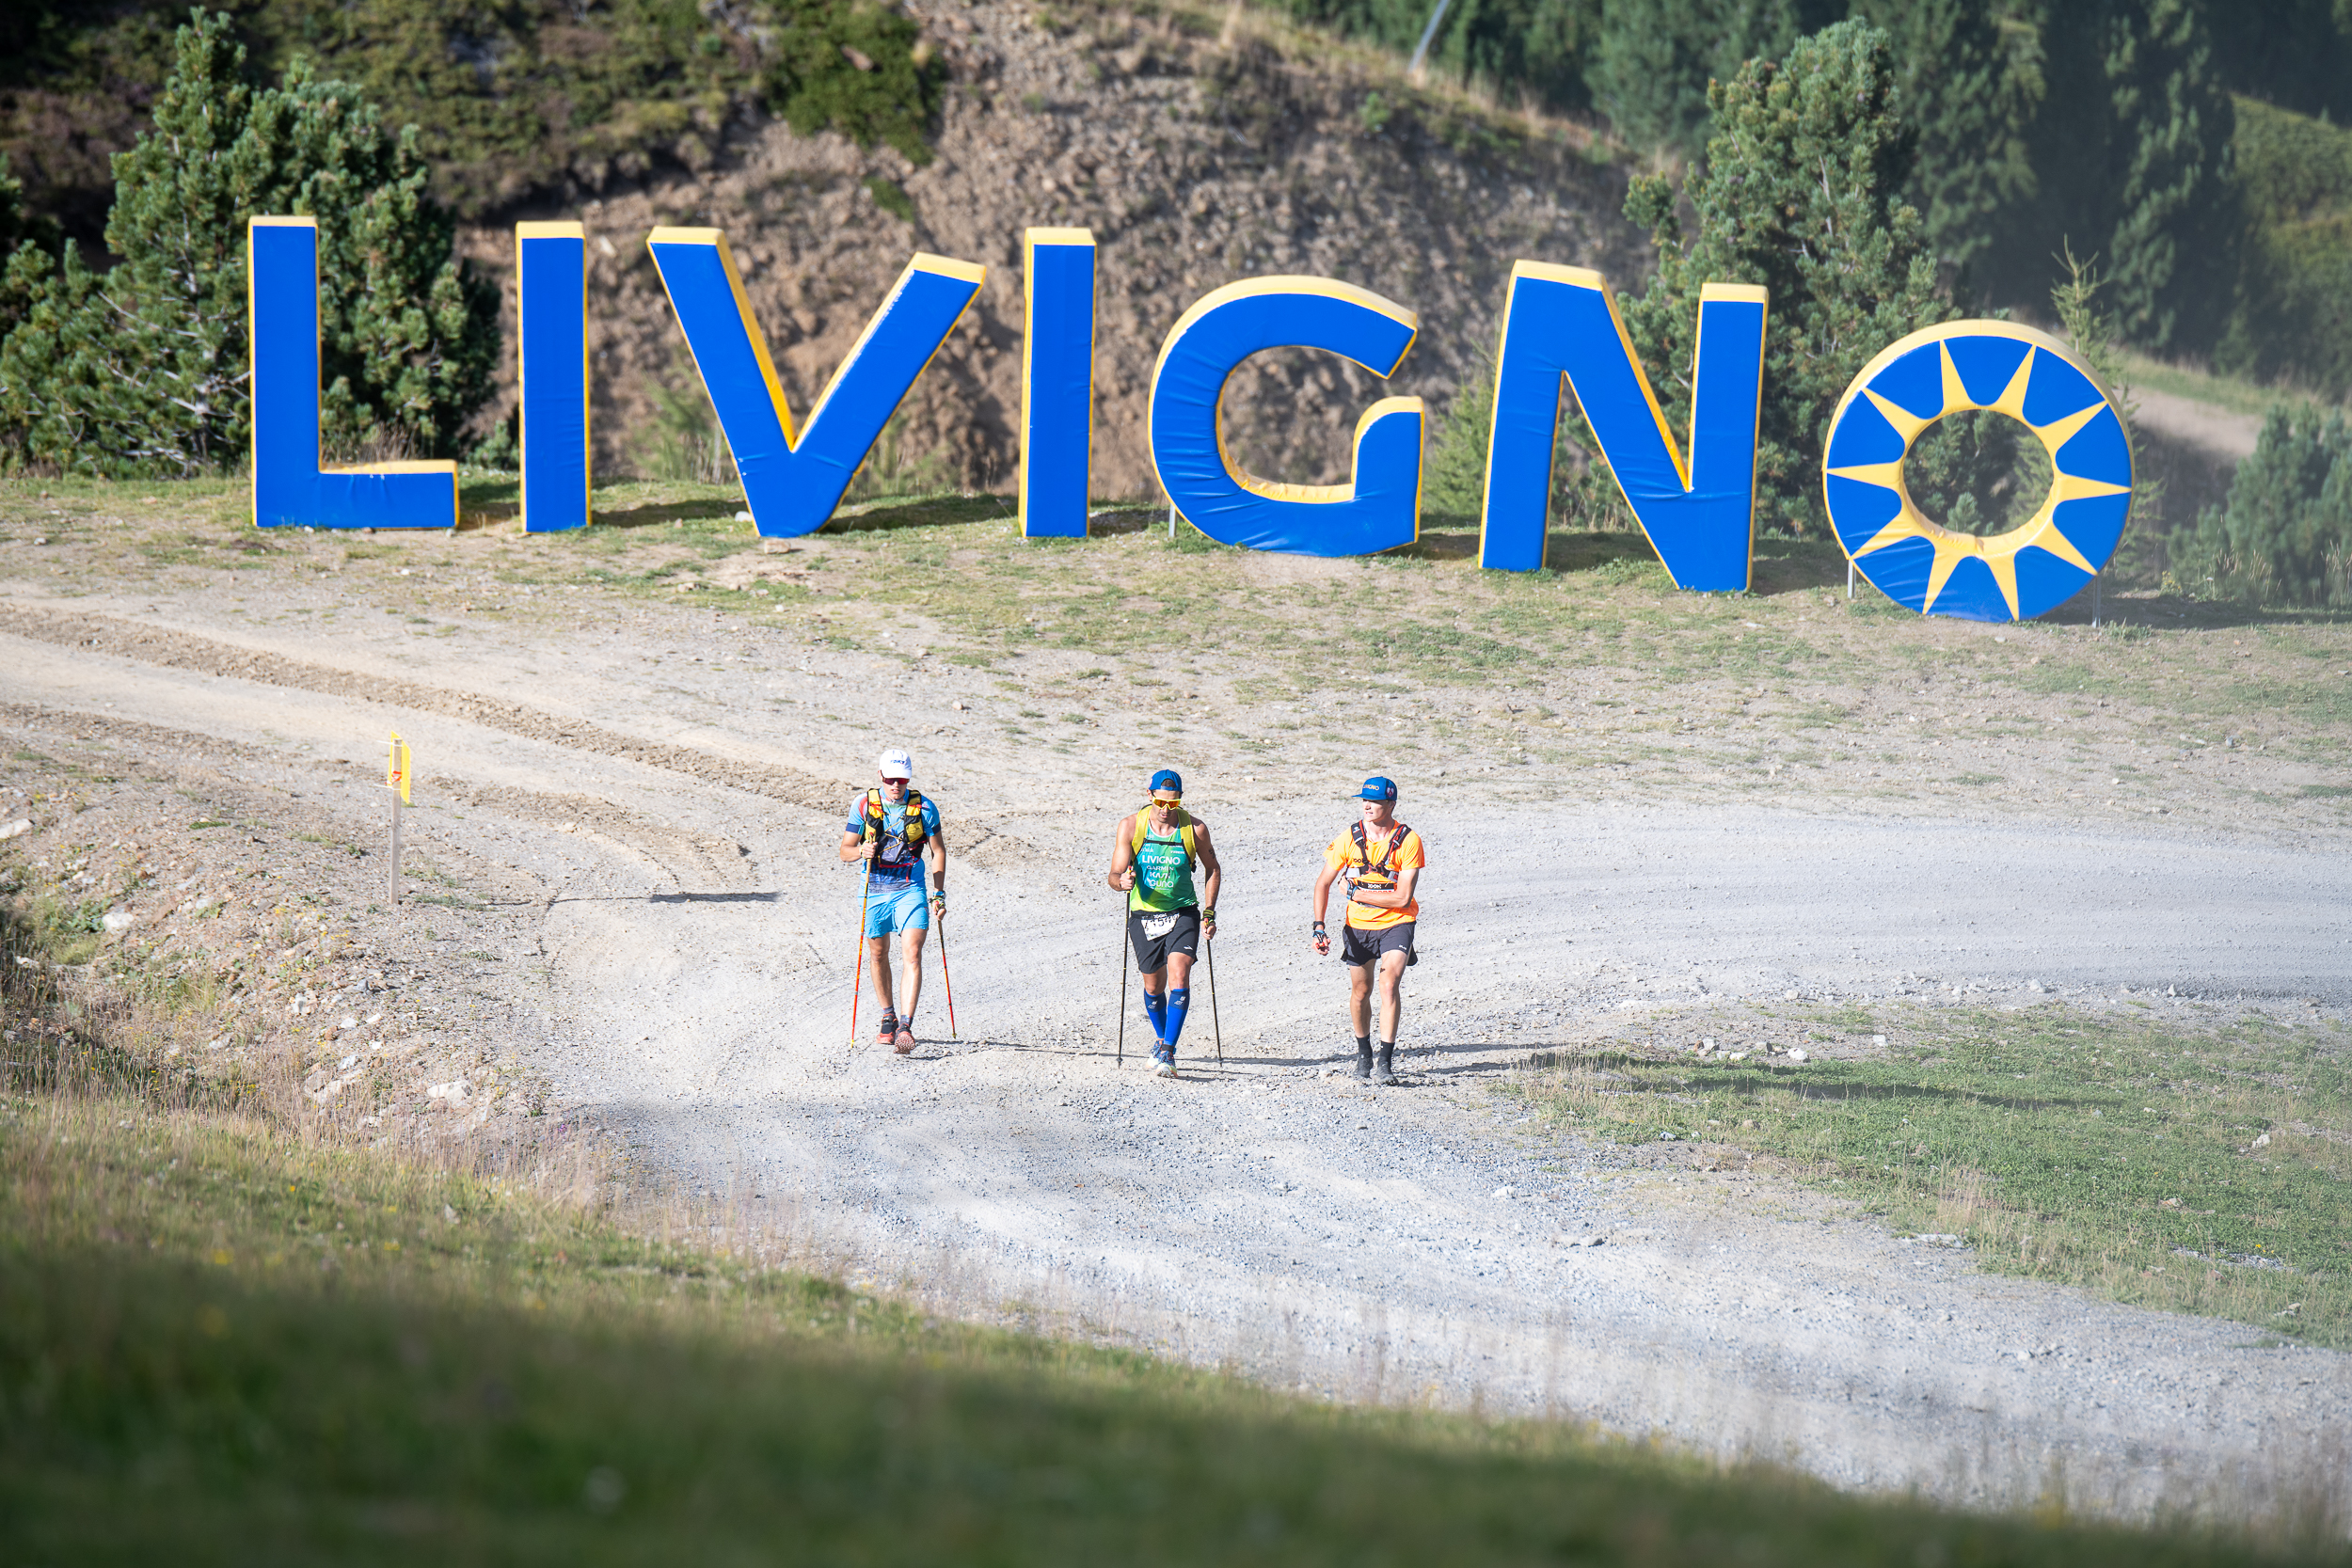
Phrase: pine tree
[1971,78]
[2132,165]
[146,368]
[1799,194]
[19,285]
[1453,483]
[1654,62]
[14,224]
[2284,534]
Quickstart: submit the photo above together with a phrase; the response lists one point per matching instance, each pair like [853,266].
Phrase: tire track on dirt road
[177,650]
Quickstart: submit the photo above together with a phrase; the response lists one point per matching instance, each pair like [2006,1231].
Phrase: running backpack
[912,831]
[1388,852]
[1184,830]
[1364,866]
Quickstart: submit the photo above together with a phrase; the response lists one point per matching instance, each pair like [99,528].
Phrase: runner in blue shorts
[895,831]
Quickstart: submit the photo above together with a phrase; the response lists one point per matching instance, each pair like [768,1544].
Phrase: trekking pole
[1123,983]
[857,986]
[1214,1022]
[945,978]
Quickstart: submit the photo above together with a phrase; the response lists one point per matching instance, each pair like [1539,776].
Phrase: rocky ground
[1195,157]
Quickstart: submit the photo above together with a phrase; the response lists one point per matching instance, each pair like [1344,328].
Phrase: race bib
[1158,925]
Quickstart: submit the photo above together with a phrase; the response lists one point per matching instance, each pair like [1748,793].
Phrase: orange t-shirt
[1341,856]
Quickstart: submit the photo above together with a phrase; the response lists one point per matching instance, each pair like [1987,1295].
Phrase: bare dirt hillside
[1195,159]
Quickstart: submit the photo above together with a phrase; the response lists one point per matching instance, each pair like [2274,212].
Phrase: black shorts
[1367,948]
[1156,934]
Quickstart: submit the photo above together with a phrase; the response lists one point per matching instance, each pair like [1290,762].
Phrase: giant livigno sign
[1560,334]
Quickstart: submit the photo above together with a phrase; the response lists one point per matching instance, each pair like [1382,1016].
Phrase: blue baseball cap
[1377,789]
[1167,779]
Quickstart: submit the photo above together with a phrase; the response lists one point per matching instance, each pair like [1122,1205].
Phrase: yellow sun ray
[2012,398]
[1955,390]
[1907,424]
[2062,430]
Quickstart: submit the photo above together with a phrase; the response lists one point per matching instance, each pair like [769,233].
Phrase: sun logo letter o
[1918,563]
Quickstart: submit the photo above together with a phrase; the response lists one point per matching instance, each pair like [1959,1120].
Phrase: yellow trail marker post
[396,775]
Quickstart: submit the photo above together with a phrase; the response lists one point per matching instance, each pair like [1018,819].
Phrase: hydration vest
[1377,877]
[912,831]
[1184,831]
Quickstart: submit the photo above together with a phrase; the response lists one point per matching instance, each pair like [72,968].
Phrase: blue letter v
[791,487]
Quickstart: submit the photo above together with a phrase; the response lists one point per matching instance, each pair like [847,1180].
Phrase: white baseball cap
[896,763]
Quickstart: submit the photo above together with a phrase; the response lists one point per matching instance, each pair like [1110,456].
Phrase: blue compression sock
[1178,1003]
[1155,1008]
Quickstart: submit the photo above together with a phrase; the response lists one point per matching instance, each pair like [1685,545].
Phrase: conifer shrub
[146,368]
[1800,193]
[1971,80]
[1653,63]
[2284,534]
[862,69]
[19,231]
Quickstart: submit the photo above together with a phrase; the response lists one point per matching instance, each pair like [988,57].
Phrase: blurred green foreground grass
[220,1343]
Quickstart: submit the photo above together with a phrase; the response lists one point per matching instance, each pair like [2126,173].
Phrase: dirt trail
[672,876]
[2212,430]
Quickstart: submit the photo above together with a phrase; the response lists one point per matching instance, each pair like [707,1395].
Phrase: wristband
[1318,925]
[1208,916]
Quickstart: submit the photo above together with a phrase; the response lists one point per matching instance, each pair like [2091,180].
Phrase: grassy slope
[2116,1151]
[2296,178]
[218,1343]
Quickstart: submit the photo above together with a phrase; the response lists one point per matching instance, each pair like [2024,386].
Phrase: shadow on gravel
[709,899]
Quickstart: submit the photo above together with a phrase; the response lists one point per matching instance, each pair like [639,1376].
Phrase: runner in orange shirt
[1381,860]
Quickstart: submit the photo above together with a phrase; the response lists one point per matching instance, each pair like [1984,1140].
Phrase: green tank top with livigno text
[1163,873]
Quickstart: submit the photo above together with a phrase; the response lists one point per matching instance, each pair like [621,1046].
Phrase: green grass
[2113,1153]
[222,1343]
[2235,394]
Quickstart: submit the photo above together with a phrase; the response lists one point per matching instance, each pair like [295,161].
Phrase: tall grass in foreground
[221,1342]
[2196,1168]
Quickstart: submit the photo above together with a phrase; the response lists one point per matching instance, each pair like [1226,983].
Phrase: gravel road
[1405,1244]
[1411,1243]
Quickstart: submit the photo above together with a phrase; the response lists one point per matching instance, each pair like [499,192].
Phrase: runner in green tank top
[1152,857]
[1163,869]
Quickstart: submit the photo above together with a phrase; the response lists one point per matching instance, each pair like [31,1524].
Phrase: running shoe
[905,1042]
[888,1032]
[1166,1057]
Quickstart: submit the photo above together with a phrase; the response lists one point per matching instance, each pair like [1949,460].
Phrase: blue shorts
[897,906]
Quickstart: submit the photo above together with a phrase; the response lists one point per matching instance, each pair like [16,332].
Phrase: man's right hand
[1123,881]
[1323,945]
